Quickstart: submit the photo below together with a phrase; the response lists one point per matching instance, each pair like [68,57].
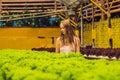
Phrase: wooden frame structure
[114,8]
[18,6]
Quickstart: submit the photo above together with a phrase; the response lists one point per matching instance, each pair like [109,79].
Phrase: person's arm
[77,44]
[57,50]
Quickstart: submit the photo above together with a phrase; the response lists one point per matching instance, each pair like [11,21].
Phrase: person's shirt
[66,49]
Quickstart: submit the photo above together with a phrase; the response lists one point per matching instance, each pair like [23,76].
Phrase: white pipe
[81,31]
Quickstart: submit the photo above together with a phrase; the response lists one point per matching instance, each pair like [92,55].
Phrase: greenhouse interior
[34,27]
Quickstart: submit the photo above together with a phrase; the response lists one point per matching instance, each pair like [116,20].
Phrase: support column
[103,6]
[55,5]
[109,17]
[93,30]
[109,26]
[0,7]
[81,37]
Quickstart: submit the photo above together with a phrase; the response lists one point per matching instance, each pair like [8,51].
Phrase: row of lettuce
[43,65]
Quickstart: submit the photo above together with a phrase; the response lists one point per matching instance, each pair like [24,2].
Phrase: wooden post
[109,26]
[92,16]
[109,19]
[93,30]
[55,5]
[0,7]
[103,6]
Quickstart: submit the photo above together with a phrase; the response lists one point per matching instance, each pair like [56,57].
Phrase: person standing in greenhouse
[67,41]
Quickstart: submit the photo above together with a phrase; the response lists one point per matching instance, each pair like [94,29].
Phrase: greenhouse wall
[102,36]
[28,38]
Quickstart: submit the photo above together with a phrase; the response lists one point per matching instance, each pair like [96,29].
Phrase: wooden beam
[30,4]
[27,0]
[99,14]
[23,8]
[55,4]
